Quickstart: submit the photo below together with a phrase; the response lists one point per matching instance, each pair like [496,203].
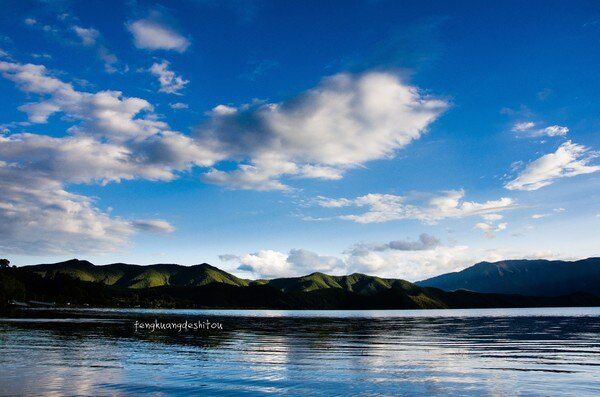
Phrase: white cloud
[228,258]
[569,160]
[178,105]
[334,203]
[492,217]
[528,128]
[501,226]
[354,109]
[84,159]
[112,138]
[410,265]
[88,36]
[539,216]
[342,123]
[110,61]
[223,110]
[30,21]
[424,243]
[150,35]
[303,261]
[247,177]
[411,260]
[265,263]
[41,56]
[489,228]
[523,126]
[105,114]
[555,130]
[32,78]
[38,217]
[298,262]
[170,82]
[154,225]
[389,207]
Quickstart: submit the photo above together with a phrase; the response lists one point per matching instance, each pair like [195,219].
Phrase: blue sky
[404,139]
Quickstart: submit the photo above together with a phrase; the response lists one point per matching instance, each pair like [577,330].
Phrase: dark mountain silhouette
[525,277]
[78,282]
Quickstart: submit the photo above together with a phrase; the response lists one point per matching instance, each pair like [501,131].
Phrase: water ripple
[502,352]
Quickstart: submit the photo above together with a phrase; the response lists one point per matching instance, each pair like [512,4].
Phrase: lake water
[422,352]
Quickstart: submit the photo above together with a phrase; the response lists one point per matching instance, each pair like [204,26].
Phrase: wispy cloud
[569,160]
[389,207]
[154,225]
[530,129]
[91,37]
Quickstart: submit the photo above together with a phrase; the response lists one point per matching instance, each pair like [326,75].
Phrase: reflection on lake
[451,352]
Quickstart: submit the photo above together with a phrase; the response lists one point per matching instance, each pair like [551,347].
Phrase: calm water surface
[447,352]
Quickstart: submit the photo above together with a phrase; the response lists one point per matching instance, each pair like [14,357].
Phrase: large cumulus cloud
[342,123]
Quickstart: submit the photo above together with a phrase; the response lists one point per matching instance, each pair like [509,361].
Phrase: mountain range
[484,285]
[522,277]
[525,277]
[140,276]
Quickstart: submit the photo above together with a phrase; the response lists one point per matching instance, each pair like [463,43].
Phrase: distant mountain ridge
[525,277]
[80,283]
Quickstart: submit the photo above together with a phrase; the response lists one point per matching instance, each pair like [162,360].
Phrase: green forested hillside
[137,276]
[356,283]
